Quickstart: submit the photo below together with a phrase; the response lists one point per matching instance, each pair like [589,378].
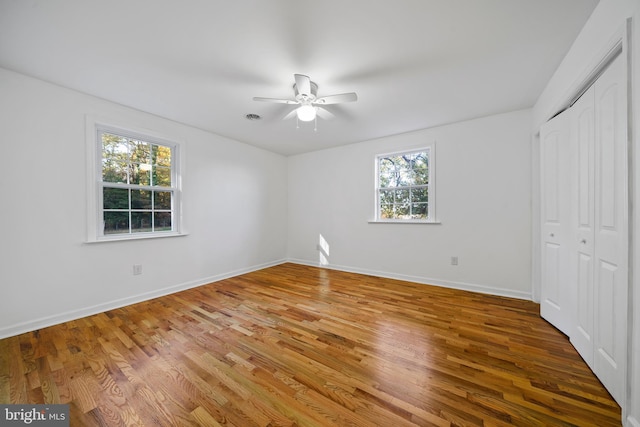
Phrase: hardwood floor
[294,345]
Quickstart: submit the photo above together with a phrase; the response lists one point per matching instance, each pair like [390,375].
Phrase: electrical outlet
[454,260]
[137,269]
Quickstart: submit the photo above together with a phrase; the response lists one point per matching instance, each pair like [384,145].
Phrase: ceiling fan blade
[275,100]
[337,99]
[303,84]
[290,114]
[324,113]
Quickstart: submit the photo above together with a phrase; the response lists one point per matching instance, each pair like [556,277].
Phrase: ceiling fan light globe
[306,113]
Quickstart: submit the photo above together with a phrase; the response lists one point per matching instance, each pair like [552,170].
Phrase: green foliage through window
[138,187]
[403,186]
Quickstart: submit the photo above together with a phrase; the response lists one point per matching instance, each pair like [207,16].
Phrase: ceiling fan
[306,96]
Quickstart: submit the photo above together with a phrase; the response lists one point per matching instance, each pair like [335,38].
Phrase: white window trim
[93,126]
[432,218]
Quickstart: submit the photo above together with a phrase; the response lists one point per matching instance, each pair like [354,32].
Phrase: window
[405,190]
[137,194]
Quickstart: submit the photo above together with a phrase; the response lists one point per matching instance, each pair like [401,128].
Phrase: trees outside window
[137,184]
[404,186]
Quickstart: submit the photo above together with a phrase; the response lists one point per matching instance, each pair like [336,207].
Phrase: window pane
[407,177]
[419,195]
[419,211]
[116,222]
[140,222]
[162,200]
[402,196]
[386,212]
[422,177]
[162,176]
[114,171]
[385,164]
[140,174]
[115,198]
[140,151]
[403,162]
[389,179]
[402,170]
[420,161]
[386,203]
[402,211]
[114,147]
[388,172]
[161,155]
[140,199]
[386,196]
[162,221]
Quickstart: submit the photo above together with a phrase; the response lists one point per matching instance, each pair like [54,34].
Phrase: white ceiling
[414,64]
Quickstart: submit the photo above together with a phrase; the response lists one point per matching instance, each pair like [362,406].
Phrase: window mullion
[153,211]
[130,213]
[136,186]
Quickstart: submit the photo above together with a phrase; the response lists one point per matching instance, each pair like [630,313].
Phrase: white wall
[234,207]
[595,39]
[604,26]
[483,202]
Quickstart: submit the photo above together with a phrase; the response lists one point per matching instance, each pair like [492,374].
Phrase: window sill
[402,221]
[121,238]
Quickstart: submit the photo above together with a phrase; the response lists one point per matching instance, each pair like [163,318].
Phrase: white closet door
[611,230]
[555,292]
[585,226]
[582,138]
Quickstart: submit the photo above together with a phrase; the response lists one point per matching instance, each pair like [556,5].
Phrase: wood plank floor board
[295,345]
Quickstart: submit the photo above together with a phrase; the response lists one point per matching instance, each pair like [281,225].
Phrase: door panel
[551,282]
[583,146]
[551,172]
[607,311]
[583,200]
[611,229]
[556,296]
[607,156]
[582,340]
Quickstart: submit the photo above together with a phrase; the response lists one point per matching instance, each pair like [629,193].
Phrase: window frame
[95,208]
[430,149]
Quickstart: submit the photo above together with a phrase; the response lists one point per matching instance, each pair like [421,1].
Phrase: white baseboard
[43,322]
[424,280]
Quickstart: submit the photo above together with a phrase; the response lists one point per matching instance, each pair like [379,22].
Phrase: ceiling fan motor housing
[306,97]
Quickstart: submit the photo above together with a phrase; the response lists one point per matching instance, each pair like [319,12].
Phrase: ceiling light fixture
[306,112]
